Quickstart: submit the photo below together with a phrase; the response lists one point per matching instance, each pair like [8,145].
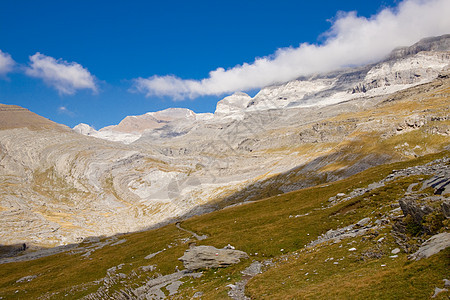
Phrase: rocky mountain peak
[231,104]
[438,43]
[171,114]
[404,68]
[84,129]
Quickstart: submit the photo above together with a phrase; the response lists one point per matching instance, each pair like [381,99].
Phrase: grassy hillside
[265,229]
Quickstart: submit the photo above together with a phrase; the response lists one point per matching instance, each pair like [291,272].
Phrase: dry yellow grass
[13,116]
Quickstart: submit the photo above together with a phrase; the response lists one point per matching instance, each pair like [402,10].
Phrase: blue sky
[119,58]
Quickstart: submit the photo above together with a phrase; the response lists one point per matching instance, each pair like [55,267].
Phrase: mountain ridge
[403,68]
[60,187]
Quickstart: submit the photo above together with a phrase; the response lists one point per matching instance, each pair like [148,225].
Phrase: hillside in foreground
[347,239]
[355,237]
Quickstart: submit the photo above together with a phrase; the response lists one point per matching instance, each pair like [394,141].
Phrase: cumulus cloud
[6,63]
[66,77]
[351,40]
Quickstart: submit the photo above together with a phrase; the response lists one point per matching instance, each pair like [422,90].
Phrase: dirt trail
[198,237]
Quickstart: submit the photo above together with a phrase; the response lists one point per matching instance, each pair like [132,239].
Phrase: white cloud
[64,110]
[351,40]
[6,63]
[66,77]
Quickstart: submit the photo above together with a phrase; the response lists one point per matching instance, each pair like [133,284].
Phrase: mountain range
[332,185]
[60,186]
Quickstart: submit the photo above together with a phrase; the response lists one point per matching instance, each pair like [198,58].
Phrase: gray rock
[432,246]
[254,269]
[395,251]
[446,282]
[148,268]
[440,183]
[437,291]
[411,205]
[152,289]
[363,222]
[173,287]
[151,255]
[445,206]
[197,295]
[26,278]
[205,257]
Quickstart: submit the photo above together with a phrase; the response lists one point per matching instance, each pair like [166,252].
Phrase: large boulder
[205,257]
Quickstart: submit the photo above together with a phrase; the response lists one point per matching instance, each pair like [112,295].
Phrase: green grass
[58,273]
[310,276]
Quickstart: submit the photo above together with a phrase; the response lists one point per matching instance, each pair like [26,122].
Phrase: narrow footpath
[198,237]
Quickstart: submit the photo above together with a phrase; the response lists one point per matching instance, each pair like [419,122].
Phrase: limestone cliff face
[404,68]
[233,104]
[59,186]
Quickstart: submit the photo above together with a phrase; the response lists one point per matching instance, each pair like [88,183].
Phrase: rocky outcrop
[438,43]
[206,257]
[398,74]
[153,289]
[446,208]
[152,120]
[237,290]
[433,245]
[351,231]
[440,183]
[418,206]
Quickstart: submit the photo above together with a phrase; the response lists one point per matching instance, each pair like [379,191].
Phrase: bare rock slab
[432,246]
[205,257]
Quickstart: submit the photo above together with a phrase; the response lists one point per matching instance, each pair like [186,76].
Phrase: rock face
[132,128]
[440,183]
[206,257]
[440,43]
[404,68]
[417,207]
[85,129]
[152,120]
[233,104]
[432,246]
